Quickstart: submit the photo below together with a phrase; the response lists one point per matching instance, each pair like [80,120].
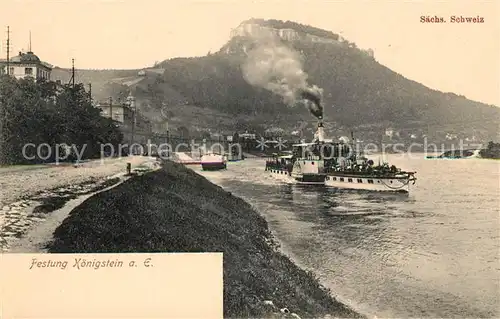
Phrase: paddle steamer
[338,165]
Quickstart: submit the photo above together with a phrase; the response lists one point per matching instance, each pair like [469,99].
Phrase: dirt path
[30,195]
[18,182]
[35,239]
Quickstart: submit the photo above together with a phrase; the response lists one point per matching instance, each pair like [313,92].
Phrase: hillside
[357,90]
[156,99]
[105,83]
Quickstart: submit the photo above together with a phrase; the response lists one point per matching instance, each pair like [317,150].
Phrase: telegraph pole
[3,112]
[111,107]
[8,50]
[90,92]
[73,73]
[133,106]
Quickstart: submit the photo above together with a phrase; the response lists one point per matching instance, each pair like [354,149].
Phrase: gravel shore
[17,182]
[30,195]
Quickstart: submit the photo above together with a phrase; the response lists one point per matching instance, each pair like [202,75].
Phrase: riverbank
[22,181]
[176,210]
[29,207]
[20,218]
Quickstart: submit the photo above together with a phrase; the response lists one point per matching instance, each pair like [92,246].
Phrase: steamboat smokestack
[320,133]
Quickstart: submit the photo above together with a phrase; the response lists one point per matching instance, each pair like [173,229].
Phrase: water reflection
[430,253]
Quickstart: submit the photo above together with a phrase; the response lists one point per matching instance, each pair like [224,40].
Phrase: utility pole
[3,112]
[73,73]
[90,93]
[111,107]
[134,122]
[8,50]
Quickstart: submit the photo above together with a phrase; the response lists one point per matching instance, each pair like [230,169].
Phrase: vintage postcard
[249,159]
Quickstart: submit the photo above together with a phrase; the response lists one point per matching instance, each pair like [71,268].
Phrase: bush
[43,112]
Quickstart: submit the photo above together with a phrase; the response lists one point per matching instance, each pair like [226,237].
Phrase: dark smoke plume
[313,101]
[277,68]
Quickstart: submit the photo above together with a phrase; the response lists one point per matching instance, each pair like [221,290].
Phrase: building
[26,65]
[136,128]
[251,28]
[123,115]
[121,112]
[247,136]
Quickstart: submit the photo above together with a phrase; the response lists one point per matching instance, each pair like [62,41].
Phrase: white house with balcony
[26,65]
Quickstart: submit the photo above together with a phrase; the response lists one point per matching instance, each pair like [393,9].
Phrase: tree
[183,132]
[37,113]
[205,135]
[236,138]
[274,132]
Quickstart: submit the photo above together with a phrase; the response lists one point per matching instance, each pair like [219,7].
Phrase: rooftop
[28,57]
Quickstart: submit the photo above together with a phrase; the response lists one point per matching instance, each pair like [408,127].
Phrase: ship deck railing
[374,173]
[277,166]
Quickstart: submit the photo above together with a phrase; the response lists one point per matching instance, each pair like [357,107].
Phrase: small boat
[280,166]
[213,161]
[234,157]
[457,154]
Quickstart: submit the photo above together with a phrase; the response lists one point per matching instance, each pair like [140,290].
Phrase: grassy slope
[103,81]
[176,210]
[87,76]
[106,83]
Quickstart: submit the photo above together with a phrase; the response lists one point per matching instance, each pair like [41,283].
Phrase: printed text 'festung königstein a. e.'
[83,263]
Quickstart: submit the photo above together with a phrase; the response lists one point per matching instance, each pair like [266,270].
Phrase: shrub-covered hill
[357,89]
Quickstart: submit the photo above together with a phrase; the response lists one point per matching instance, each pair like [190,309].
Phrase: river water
[432,253]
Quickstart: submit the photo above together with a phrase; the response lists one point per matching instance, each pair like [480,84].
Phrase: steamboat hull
[213,166]
[310,179]
[370,183]
[303,179]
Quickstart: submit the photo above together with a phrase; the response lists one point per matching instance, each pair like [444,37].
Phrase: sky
[129,34]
